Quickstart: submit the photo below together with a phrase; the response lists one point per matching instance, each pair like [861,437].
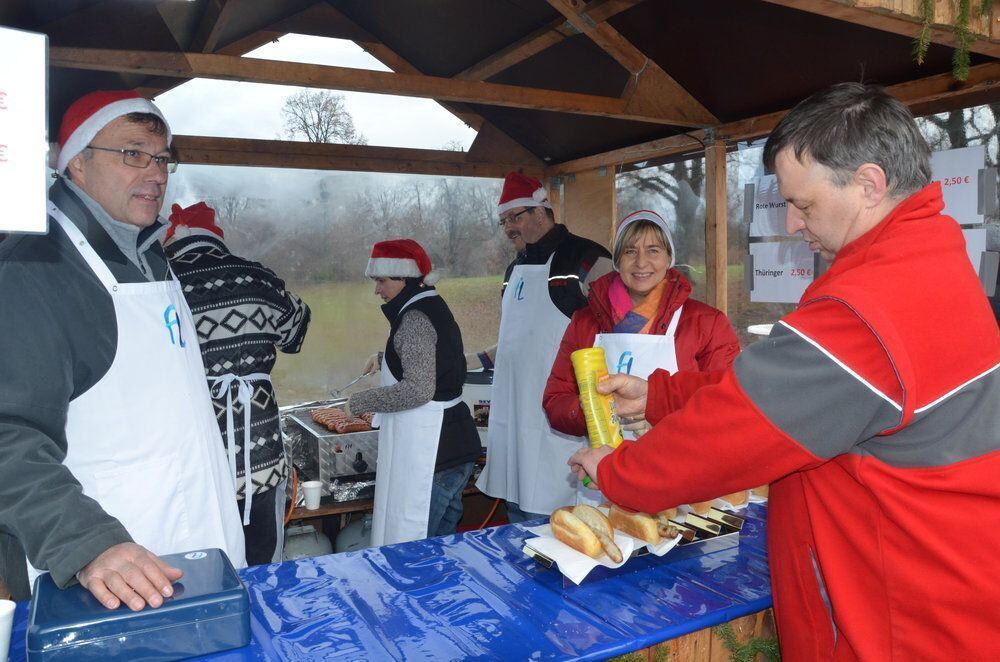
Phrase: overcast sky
[253,110]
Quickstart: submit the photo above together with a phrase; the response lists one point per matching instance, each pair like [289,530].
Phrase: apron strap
[672,328]
[244,397]
[89,255]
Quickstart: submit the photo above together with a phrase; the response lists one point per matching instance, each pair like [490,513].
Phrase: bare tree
[453,145]
[321,117]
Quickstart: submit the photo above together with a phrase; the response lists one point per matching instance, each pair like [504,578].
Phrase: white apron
[143,441]
[404,474]
[525,457]
[635,354]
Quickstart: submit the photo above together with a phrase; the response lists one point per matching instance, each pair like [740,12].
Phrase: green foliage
[963,36]
[747,652]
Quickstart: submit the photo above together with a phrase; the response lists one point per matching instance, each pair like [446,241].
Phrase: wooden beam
[716,225]
[217,14]
[886,16]
[931,94]
[655,91]
[324,156]
[226,67]
[520,50]
[597,11]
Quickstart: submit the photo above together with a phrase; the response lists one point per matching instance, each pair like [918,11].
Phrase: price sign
[782,270]
[768,218]
[958,172]
[23,142]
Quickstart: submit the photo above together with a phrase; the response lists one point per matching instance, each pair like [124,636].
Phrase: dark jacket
[59,337]
[459,441]
[573,258]
[242,312]
[703,341]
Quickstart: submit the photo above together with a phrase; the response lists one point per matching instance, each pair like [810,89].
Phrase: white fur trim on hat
[81,137]
[182,231]
[539,198]
[652,217]
[392,267]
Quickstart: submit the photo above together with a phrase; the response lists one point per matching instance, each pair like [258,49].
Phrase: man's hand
[629,393]
[129,573]
[372,365]
[639,426]
[584,462]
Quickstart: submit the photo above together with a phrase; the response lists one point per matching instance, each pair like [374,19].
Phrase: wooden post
[589,204]
[716,219]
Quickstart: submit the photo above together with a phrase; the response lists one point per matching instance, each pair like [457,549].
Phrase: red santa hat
[198,219]
[400,258]
[92,112]
[652,217]
[521,191]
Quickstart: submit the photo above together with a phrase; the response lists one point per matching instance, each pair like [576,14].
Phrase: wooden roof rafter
[881,15]
[596,12]
[651,89]
[925,95]
[202,150]
[225,67]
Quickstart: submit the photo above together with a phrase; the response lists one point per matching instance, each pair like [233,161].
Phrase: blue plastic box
[209,612]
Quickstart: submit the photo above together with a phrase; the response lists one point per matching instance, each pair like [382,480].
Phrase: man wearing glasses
[545,284]
[109,451]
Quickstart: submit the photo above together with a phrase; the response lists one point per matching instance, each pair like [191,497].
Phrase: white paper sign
[975,244]
[782,270]
[958,172]
[768,218]
[23,140]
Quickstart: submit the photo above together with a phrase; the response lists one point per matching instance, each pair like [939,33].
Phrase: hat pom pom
[432,277]
[540,195]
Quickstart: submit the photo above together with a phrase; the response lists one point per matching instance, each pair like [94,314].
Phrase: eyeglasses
[139,159]
[513,217]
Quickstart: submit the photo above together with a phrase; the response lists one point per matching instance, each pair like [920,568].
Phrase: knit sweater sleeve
[415,342]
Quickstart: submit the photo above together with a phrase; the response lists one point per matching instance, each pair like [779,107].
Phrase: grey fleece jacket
[58,337]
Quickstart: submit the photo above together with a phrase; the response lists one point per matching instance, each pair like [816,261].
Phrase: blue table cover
[476,596]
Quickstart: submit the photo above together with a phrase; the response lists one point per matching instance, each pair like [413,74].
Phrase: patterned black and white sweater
[242,313]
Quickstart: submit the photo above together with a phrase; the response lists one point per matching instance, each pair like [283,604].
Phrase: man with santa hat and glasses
[545,284]
[109,451]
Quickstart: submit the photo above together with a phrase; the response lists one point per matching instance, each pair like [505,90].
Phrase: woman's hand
[629,393]
[373,364]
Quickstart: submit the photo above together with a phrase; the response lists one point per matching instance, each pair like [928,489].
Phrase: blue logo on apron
[172,319]
[519,290]
[625,361]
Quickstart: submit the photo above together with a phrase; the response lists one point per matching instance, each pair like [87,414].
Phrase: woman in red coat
[643,317]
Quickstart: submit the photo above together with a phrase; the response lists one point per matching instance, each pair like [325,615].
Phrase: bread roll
[637,525]
[669,513]
[601,527]
[570,529]
[702,507]
[762,490]
[737,498]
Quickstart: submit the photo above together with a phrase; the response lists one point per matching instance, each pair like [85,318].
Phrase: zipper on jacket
[823,595]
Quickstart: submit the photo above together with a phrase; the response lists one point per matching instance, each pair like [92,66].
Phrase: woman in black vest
[428,443]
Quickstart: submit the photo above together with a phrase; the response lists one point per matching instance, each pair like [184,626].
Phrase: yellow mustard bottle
[603,424]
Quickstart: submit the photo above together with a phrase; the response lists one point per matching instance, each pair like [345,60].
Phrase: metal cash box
[208,612]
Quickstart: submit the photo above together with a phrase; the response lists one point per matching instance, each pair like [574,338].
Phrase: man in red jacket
[873,409]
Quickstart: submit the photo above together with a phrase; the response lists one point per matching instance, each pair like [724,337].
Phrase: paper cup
[6,622]
[311,490]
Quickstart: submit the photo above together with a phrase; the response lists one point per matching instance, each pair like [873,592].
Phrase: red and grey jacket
[703,341]
[874,411]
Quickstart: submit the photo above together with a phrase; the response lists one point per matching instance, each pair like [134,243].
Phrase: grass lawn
[348,326]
